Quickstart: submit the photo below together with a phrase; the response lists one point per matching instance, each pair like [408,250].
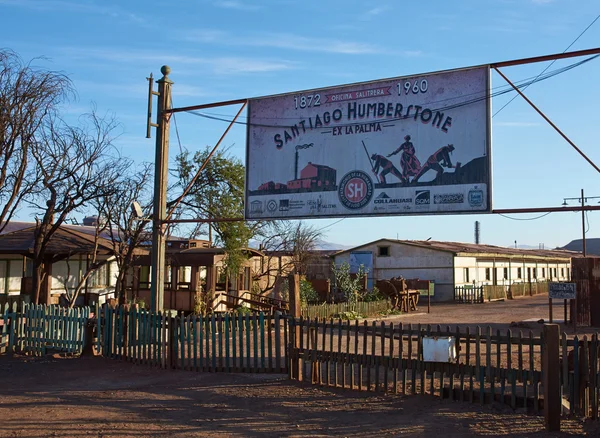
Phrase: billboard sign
[410,145]
[562,291]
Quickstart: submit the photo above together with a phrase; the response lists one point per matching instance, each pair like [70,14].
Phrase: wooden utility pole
[583,223]
[295,313]
[160,191]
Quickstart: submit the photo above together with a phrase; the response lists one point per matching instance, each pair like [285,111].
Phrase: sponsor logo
[272,205]
[383,198]
[475,198]
[256,207]
[319,205]
[449,198]
[422,198]
[356,190]
[287,205]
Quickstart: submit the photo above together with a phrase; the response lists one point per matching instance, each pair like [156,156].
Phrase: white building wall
[411,262]
[508,271]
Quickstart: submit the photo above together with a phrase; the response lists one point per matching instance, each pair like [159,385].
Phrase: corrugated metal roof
[474,249]
[66,240]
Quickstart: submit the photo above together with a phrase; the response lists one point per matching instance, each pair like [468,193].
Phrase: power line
[525,219]
[550,65]
[330,225]
[176,129]
[465,103]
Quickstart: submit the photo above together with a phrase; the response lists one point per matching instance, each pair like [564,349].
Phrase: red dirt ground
[497,314]
[81,397]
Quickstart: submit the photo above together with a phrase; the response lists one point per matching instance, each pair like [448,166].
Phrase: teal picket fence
[215,343]
[39,330]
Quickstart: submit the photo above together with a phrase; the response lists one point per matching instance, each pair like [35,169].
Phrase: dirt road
[525,312]
[99,397]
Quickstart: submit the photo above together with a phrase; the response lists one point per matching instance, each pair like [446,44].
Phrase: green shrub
[307,292]
[373,295]
[243,310]
[348,315]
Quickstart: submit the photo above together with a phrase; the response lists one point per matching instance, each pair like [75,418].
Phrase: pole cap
[165,70]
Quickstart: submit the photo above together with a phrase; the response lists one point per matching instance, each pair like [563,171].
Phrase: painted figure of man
[437,160]
[386,167]
[408,161]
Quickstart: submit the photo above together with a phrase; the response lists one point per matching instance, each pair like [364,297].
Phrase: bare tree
[289,247]
[125,230]
[28,97]
[75,165]
[93,263]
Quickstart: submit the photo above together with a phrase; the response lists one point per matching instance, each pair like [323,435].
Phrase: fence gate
[218,343]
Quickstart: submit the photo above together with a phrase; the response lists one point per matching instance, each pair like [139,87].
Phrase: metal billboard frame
[489,183]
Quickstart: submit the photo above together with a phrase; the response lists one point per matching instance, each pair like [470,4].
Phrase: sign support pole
[583,223]
[157,292]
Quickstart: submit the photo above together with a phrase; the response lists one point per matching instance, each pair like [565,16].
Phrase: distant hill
[330,246]
[592,246]
[321,245]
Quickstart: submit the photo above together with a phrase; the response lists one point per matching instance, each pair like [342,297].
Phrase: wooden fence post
[551,372]
[88,337]
[171,341]
[295,312]
[315,367]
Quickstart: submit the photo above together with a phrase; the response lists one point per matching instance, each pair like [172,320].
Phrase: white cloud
[233,4]
[288,41]
[84,7]
[217,65]
[376,11]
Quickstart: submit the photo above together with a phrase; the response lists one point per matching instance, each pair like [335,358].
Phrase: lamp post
[582,200]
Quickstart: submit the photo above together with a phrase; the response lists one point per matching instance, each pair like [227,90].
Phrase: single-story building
[451,264]
[67,256]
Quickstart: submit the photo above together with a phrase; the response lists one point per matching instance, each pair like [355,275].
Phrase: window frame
[387,249]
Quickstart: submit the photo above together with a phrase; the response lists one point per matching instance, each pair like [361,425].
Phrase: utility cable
[176,128]
[525,219]
[549,65]
[465,103]
[330,225]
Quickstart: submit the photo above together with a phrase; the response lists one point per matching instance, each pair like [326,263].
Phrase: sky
[221,50]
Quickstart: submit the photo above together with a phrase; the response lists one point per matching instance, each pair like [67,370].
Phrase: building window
[534,272]
[519,273]
[529,274]
[562,272]
[568,273]
[554,272]
[383,251]
[466,275]
[506,273]
[543,272]
[487,273]
[145,277]
[100,277]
